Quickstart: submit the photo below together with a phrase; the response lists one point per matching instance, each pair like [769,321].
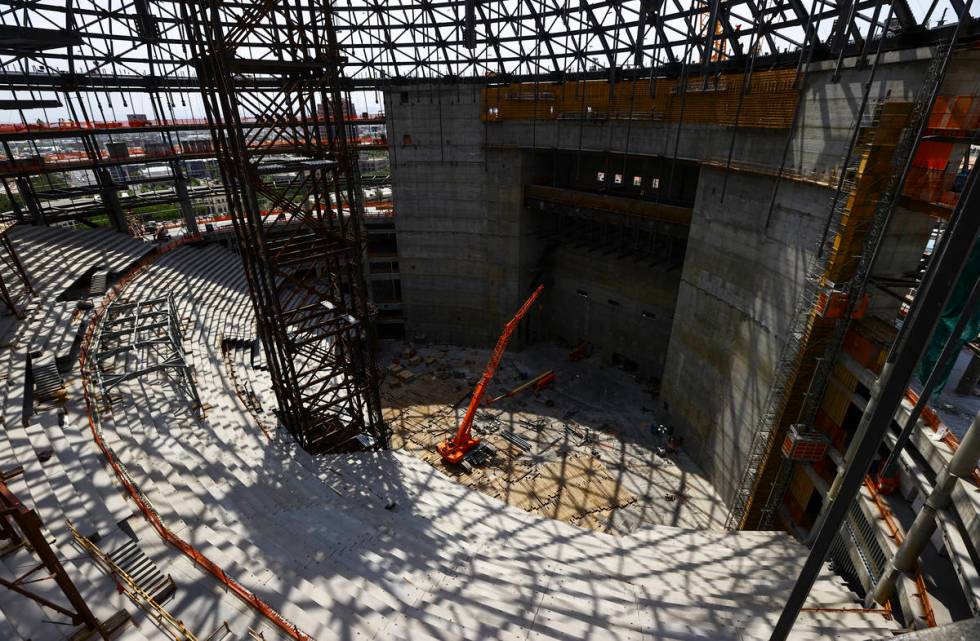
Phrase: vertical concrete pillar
[110,199]
[26,191]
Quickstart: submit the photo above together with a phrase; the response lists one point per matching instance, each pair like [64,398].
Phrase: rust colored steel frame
[15,516]
[304,265]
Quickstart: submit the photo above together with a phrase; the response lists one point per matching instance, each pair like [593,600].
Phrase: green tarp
[951,314]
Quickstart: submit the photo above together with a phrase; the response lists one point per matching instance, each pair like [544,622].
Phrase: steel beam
[895,377]
[25,524]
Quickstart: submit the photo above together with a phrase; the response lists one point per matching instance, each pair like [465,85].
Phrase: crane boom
[453,450]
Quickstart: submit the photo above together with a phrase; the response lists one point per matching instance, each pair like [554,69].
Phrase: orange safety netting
[770,102]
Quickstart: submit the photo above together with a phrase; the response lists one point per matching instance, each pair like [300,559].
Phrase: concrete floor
[593,458]
[957,410]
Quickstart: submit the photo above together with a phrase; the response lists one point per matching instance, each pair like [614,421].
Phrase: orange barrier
[770,103]
[932,155]
[931,186]
[896,534]
[932,419]
[144,505]
[64,160]
[955,116]
[885,611]
[955,113]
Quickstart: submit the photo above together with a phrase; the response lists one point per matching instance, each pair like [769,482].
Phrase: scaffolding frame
[112,45]
[9,258]
[20,525]
[148,332]
[303,252]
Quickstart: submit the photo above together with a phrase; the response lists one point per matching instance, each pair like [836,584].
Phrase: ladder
[854,288]
[791,352]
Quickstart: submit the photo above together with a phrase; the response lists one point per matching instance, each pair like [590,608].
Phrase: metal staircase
[130,559]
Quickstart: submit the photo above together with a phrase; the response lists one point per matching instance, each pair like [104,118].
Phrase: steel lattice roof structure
[142,44]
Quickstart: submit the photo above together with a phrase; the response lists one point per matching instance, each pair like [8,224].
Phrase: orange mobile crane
[454,449]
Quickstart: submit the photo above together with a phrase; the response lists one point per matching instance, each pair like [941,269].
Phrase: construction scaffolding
[713,100]
[15,284]
[873,174]
[137,339]
[303,263]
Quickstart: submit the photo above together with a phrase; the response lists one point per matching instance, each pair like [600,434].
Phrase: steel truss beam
[150,42]
[304,266]
[9,258]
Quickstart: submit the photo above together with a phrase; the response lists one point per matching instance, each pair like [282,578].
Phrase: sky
[366,36]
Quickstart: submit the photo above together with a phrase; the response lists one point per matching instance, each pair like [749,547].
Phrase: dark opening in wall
[386,291]
[403,98]
[391,331]
[382,245]
[623,363]
[651,178]
[407,139]
[649,315]
[389,267]
[614,303]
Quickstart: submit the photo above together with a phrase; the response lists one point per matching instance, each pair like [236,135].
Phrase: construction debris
[539,382]
[516,440]
[576,459]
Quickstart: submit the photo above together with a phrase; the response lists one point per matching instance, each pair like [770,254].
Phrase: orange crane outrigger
[454,449]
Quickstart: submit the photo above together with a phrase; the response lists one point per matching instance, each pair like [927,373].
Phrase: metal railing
[171,625]
[90,340]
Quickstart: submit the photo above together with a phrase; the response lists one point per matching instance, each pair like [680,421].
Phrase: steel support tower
[294,196]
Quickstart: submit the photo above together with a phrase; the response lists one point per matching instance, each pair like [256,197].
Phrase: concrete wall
[458,215]
[741,279]
[736,299]
[611,316]
[467,250]
[822,133]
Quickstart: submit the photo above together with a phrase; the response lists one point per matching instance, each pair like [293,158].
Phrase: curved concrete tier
[367,546]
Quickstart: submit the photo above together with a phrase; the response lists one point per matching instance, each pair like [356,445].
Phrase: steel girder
[146,44]
[22,525]
[295,198]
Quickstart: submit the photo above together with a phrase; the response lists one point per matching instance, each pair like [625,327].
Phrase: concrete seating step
[371,545]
